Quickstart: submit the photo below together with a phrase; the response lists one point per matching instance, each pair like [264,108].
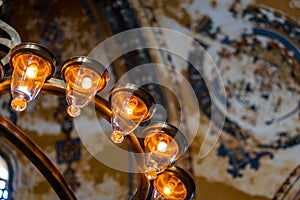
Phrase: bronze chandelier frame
[39,159]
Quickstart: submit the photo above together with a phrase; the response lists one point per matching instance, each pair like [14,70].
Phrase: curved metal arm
[41,161]
[37,157]
[143,184]
[12,41]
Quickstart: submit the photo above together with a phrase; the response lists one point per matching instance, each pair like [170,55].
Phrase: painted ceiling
[256,50]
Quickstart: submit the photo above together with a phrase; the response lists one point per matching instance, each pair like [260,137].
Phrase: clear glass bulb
[81,87]
[128,112]
[163,144]
[84,77]
[32,71]
[130,105]
[168,186]
[29,75]
[161,150]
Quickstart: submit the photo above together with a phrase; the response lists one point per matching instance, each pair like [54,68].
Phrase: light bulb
[163,144]
[130,106]
[32,65]
[84,77]
[87,82]
[123,120]
[32,71]
[174,183]
[155,164]
[167,190]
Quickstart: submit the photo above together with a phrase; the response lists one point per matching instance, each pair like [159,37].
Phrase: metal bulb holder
[84,77]
[32,65]
[174,183]
[130,106]
[163,144]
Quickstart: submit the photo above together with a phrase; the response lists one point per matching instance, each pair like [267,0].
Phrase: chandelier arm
[5,87]
[102,106]
[56,87]
[23,143]
[14,39]
[142,190]
[143,186]
[135,147]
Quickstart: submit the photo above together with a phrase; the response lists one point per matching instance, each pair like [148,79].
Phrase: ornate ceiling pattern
[256,49]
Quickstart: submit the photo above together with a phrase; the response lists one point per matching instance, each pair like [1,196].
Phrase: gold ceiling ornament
[34,67]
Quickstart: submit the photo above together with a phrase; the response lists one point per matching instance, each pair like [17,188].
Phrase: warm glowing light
[170,186]
[162,146]
[151,173]
[83,80]
[86,83]
[32,71]
[129,110]
[32,65]
[167,190]
[19,103]
[24,89]
[73,111]
[132,104]
[117,137]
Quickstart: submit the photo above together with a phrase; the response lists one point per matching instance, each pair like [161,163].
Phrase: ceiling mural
[256,48]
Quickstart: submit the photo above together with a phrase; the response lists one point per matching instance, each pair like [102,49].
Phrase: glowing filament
[32,71]
[167,190]
[132,104]
[86,83]
[162,146]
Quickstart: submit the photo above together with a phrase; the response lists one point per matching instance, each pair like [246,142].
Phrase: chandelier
[33,68]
